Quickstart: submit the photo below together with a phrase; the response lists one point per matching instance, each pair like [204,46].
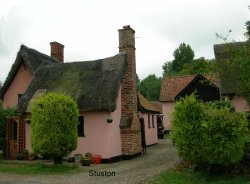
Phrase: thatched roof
[93,84]
[228,77]
[222,51]
[32,59]
[145,105]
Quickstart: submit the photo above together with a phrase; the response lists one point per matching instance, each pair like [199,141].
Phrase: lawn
[21,167]
[191,177]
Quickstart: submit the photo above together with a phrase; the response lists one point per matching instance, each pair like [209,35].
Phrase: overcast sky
[88,28]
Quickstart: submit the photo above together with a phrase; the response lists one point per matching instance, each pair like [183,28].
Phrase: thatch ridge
[31,58]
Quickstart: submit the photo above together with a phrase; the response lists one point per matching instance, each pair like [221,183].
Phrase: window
[149,121]
[81,126]
[153,121]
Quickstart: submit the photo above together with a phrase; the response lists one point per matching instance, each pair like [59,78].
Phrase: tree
[182,56]
[198,66]
[247,24]
[54,124]
[168,69]
[138,81]
[150,87]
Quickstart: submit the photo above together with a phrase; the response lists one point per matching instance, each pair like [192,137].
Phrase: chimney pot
[56,51]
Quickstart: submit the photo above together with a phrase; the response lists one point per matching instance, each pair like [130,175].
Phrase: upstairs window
[81,126]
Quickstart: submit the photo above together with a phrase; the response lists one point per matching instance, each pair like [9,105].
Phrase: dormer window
[19,96]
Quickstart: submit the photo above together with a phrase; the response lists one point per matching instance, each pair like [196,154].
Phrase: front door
[143,136]
[15,137]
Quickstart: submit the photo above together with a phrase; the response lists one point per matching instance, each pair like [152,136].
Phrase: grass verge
[37,168]
[191,177]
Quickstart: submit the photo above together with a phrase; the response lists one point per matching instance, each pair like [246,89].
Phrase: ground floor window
[149,121]
[153,121]
[81,126]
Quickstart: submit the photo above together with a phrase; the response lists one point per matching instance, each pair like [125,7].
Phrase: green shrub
[220,104]
[206,135]
[54,123]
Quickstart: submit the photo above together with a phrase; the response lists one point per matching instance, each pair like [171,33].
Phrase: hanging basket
[109,120]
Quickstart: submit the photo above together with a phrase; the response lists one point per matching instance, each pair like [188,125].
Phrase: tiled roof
[173,85]
[146,105]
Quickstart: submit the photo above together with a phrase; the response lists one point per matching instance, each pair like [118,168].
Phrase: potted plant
[1,155]
[88,154]
[77,157]
[19,156]
[109,120]
[25,154]
[86,161]
[33,156]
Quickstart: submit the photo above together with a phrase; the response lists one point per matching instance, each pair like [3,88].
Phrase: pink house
[105,91]
[148,113]
[205,87]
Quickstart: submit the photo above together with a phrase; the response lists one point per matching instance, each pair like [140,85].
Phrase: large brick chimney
[129,125]
[56,51]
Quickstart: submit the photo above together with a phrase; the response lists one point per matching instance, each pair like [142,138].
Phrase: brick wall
[131,132]
[56,51]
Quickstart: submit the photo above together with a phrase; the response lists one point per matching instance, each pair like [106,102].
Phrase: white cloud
[88,28]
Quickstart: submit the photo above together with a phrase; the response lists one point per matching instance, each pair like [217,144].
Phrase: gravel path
[158,158]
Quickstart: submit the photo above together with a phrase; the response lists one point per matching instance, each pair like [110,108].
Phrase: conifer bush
[208,136]
[54,123]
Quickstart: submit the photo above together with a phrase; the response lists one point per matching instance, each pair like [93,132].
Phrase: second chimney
[56,51]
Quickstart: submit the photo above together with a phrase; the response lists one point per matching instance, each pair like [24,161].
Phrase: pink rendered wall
[150,133]
[167,108]
[240,104]
[18,86]
[101,138]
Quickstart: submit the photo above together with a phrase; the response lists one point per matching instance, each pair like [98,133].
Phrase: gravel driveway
[158,158]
